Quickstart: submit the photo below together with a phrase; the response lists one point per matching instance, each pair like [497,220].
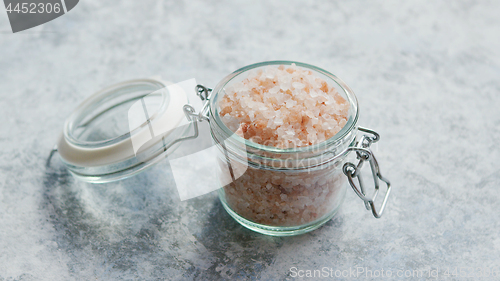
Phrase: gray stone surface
[426,74]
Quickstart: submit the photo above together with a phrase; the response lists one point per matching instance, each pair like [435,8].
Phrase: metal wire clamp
[204,94]
[363,152]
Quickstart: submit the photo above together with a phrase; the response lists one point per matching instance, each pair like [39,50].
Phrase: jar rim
[74,120]
[96,154]
[337,138]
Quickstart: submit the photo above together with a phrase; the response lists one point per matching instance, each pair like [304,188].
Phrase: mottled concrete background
[426,74]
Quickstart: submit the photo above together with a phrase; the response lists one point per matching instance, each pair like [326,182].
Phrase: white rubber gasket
[164,122]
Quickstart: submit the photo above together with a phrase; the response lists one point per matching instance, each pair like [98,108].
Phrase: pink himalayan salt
[279,198]
[284,107]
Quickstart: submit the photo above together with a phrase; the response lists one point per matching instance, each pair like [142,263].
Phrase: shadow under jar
[289,191]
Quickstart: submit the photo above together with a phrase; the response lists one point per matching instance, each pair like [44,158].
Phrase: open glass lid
[124,129]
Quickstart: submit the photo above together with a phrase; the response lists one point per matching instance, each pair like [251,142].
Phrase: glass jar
[282,191]
[267,189]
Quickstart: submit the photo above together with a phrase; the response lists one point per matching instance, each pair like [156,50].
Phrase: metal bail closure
[362,149]
[204,94]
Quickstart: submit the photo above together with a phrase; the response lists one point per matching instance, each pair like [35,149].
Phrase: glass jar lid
[123,129]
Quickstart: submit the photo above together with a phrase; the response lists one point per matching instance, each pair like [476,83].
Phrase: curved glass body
[281,191]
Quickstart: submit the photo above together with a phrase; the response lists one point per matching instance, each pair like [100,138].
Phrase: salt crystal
[290,103]
[298,86]
[274,90]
